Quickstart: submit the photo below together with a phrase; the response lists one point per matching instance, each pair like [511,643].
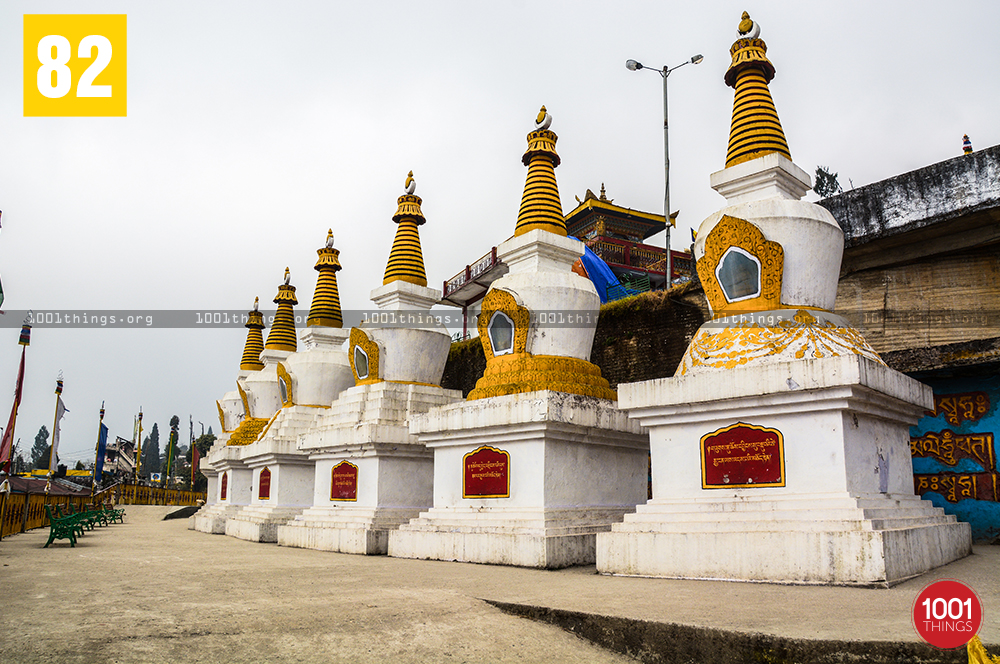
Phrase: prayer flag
[195,457]
[8,434]
[102,443]
[60,410]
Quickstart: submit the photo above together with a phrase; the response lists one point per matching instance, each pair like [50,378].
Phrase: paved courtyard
[151,590]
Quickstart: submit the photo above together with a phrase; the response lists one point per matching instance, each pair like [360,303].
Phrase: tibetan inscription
[948,447]
[344,481]
[486,473]
[264,487]
[742,456]
[954,487]
[958,408]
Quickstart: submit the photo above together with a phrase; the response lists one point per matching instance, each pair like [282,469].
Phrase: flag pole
[138,451]
[7,442]
[97,454]
[191,449]
[171,441]
[53,454]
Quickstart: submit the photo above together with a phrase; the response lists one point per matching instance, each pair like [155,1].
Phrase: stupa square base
[837,540]
[259,524]
[370,475]
[543,538]
[357,530]
[790,472]
[525,479]
[212,519]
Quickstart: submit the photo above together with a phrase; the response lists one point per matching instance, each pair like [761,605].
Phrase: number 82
[56,65]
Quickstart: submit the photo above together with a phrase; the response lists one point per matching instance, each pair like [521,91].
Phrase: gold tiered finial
[325,309]
[406,260]
[282,335]
[255,340]
[540,204]
[756,130]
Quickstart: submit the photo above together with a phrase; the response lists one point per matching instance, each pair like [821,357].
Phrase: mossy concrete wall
[637,338]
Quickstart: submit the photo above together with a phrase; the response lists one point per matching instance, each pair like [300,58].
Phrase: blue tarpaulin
[599,273]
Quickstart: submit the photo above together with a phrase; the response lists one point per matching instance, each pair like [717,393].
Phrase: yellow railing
[20,512]
[130,494]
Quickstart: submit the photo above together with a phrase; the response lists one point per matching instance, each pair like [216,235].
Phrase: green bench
[60,528]
[115,514]
[87,519]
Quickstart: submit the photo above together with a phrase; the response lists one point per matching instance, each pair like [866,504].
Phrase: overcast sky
[254,126]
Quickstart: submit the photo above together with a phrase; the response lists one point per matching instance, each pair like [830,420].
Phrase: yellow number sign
[75,65]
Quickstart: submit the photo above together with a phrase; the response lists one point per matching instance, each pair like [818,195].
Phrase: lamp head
[633,65]
[696,59]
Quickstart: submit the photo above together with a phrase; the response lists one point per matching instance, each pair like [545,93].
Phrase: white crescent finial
[410,185]
[544,119]
[329,239]
[288,276]
[748,28]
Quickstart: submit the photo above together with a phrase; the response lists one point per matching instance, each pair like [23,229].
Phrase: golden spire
[756,130]
[540,204]
[406,260]
[282,335]
[255,340]
[325,309]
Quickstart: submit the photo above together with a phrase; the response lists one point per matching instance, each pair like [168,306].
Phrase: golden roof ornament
[748,28]
[541,208]
[282,335]
[406,259]
[756,129]
[543,120]
[325,308]
[255,339]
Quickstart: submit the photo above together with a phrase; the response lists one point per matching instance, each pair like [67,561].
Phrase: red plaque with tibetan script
[742,456]
[344,481]
[264,489]
[225,486]
[486,473]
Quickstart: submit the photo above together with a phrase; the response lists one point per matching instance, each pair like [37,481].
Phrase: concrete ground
[151,590]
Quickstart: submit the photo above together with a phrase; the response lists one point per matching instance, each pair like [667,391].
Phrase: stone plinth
[525,479]
[830,439]
[282,477]
[212,518]
[371,474]
[229,487]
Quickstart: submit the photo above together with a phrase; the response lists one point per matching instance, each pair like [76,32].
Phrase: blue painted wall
[983,515]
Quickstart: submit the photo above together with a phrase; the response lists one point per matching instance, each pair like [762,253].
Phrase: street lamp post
[634,65]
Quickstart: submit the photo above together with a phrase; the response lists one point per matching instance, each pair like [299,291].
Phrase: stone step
[804,516]
[915,511]
[514,513]
[777,526]
[503,529]
[268,516]
[795,501]
[368,524]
